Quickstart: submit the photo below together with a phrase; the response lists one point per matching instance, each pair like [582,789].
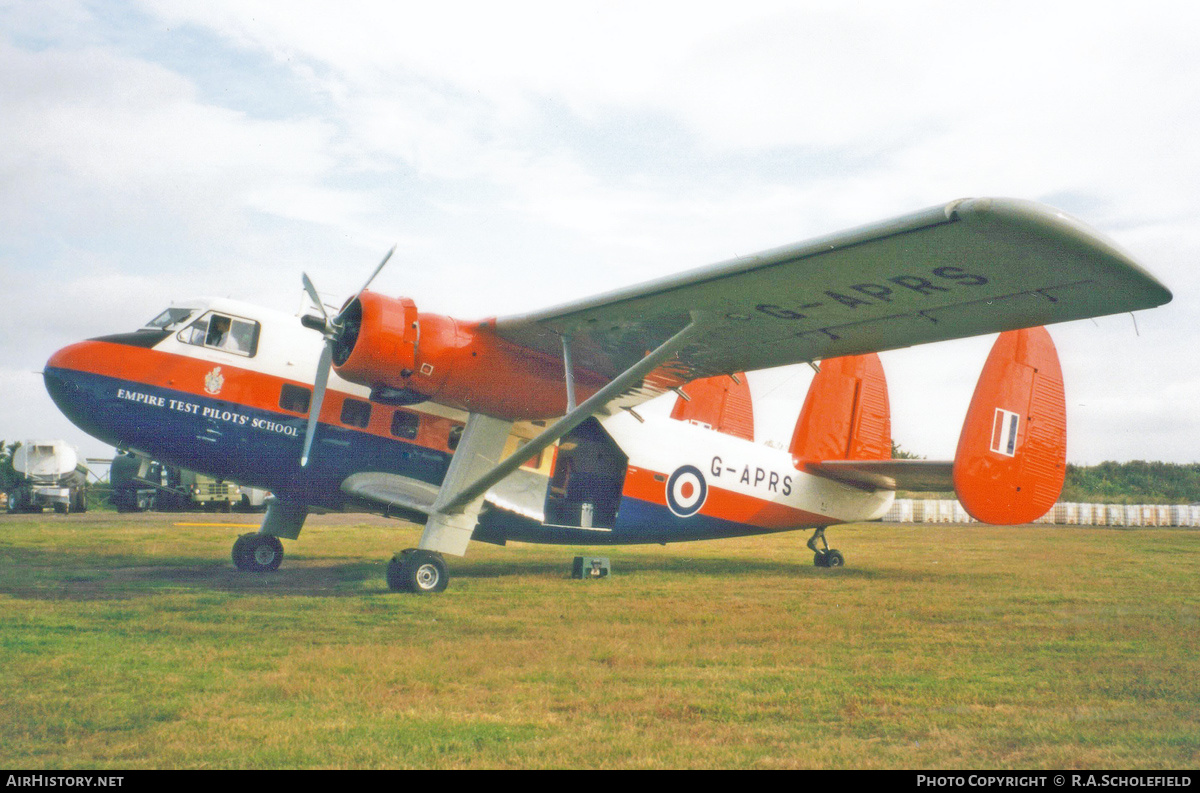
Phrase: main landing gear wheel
[417,571]
[825,557]
[832,558]
[257,553]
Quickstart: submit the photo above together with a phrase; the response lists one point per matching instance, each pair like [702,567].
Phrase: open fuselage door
[589,475]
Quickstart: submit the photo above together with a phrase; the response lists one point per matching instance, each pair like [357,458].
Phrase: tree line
[1136,482]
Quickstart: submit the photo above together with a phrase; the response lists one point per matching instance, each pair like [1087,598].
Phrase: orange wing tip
[1011,458]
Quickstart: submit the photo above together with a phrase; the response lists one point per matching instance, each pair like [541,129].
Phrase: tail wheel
[417,571]
[824,556]
[830,558]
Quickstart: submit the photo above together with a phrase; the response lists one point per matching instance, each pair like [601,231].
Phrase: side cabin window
[405,424]
[222,332]
[294,398]
[356,413]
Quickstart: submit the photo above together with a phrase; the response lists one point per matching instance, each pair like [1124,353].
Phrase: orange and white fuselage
[230,400]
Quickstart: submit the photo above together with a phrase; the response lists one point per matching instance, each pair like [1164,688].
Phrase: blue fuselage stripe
[247,445]
[262,448]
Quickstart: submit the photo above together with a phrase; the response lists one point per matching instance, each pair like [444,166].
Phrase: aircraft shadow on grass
[58,574]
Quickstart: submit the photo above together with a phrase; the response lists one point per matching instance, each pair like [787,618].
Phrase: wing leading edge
[970,267]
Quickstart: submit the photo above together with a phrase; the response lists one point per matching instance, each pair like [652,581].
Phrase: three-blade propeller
[332,331]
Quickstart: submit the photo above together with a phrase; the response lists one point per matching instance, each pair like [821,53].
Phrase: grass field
[131,642]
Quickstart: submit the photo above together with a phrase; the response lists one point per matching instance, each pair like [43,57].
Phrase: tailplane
[1011,458]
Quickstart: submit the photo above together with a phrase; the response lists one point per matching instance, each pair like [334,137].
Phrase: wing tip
[1071,232]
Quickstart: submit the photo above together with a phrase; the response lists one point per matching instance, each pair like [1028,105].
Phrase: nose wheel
[825,556]
[417,571]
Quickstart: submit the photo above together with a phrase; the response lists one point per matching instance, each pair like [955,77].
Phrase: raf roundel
[686,491]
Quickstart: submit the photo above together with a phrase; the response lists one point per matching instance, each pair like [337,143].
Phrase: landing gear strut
[417,571]
[824,557]
[257,553]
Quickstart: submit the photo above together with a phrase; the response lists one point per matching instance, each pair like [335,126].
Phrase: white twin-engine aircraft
[526,427]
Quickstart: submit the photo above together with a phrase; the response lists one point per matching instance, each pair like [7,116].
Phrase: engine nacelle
[379,333]
[406,356]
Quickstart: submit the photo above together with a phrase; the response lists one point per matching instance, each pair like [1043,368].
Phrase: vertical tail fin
[846,414]
[1011,458]
[721,403]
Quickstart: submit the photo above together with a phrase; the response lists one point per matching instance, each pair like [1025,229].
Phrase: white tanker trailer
[51,476]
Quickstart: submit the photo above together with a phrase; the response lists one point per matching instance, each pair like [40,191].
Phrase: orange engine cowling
[846,415]
[1011,458]
[720,403]
[380,336]
[406,357]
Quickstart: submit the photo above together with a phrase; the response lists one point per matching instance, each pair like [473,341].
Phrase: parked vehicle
[140,484]
[49,476]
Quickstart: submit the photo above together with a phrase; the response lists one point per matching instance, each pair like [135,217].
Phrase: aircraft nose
[62,358]
[75,389]
[58,374]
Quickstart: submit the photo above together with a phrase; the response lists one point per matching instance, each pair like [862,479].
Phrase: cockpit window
[222,332]
[171,318]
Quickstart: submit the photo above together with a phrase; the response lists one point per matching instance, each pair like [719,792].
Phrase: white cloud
[96,143]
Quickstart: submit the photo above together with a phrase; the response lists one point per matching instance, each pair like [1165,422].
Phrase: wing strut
[451,515]
[455,502]
[569,368]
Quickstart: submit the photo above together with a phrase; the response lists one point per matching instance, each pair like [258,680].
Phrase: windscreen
[171,318]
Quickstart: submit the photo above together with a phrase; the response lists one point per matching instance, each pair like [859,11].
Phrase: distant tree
[900,453]
[8,475]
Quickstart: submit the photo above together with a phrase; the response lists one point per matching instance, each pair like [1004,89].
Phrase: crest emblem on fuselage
[213,381]
[686,491]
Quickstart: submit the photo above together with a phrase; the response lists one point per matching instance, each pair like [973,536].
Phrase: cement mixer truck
[49,475]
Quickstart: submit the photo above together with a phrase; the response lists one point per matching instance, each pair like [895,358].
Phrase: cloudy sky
[523,154]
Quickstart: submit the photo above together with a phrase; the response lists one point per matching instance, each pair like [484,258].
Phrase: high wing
[970,267]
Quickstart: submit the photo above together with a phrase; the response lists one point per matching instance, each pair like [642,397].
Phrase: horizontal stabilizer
[930,476]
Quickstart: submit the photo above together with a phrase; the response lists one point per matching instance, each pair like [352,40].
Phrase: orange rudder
[721,403]
[1011,457]
[846,414]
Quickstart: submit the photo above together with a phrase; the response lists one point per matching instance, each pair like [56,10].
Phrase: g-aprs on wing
[970,267]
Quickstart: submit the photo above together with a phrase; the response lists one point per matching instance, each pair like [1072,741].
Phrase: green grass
[129,642]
